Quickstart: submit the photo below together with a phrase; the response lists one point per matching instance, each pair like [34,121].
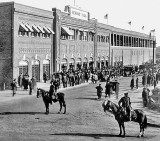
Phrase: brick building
[34,41]
[25,42]
[81,41]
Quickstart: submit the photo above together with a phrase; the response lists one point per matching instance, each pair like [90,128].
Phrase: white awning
[46,30]
[40,28]
[35,28]
[23,63]
[35,62]
[50,30]
[23,27]
[45,61]
[29,27]
[65,30]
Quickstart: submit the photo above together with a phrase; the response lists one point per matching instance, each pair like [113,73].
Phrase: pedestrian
[132,82]
[108,89]
[31,86]
[137,82]
[14,86]
[20,80]
[44,77]
[117,89]
[99,91]
[34,81]
[145,96]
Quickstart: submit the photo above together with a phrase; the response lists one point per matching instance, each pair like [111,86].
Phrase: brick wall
[6,71]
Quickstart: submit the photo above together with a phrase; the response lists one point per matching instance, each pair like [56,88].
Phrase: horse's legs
[64,105]
[120,129]
[124,132]
[60,103]
[47,108]
[141,130]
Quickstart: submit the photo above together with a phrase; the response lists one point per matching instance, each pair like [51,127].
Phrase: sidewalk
[136,103]
[6,95]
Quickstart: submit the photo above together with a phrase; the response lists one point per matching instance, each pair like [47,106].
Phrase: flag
[129,23]
[152,30]
[142,27]
[152,33]
[106,16]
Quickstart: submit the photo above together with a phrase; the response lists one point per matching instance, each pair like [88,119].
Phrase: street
[24,119]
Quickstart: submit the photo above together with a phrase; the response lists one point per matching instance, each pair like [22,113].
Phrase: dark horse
[137,115]
[48,100]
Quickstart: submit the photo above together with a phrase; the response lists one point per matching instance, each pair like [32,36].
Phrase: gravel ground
[24,120]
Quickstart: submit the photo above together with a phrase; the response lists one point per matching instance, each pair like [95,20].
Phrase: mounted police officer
[125,103]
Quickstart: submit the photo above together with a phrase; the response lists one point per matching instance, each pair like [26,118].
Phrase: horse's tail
[145,122]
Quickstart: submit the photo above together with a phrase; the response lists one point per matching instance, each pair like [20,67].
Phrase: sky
[120,12]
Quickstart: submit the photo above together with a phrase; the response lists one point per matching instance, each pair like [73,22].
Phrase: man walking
[14,86]
[99,91]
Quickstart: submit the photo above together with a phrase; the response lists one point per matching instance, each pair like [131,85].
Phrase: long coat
[108,88]
[132,83]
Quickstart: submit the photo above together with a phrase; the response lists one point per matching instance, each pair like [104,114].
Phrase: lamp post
[154,45]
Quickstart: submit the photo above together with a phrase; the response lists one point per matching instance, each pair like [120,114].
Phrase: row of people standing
[110,86]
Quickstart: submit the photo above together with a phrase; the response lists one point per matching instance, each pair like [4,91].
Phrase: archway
[102,62]
[46,67]
[91,63]
[36,69]
[79,63]
[85,63]
[71,64]
[98,62]
[23,67]
[64,64]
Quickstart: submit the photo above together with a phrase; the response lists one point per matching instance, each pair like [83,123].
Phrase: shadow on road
[153,125]
[87,98]
[96,136]
[25,113]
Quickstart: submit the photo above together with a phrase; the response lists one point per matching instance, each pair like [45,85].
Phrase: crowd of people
[24,83]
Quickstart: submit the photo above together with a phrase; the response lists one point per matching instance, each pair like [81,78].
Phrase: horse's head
[39,93]
[107,105]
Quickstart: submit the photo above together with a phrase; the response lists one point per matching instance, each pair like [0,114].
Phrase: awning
[90,59]
[71,61]
[40,28]
[23,27]
[85,60]
[65,30]
[35,28]
[46,62]
[46,30]
[64,61]
[23,63]
[50,30]
[29,27]
[78,60]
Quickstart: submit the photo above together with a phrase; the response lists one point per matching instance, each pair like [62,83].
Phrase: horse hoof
[119,135]
[64,113]
[58,112]
[139,136]
[123,136]
[142,136]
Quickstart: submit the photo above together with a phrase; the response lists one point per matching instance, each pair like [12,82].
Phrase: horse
[48,100]
[137,115]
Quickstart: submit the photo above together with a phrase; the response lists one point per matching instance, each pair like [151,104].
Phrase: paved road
[24,119]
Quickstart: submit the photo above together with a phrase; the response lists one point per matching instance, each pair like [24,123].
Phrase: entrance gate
[46,68]
[23,67]
[36,70]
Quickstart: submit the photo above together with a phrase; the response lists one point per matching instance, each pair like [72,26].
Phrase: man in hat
[99,91]
[125,103]
[14,86]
